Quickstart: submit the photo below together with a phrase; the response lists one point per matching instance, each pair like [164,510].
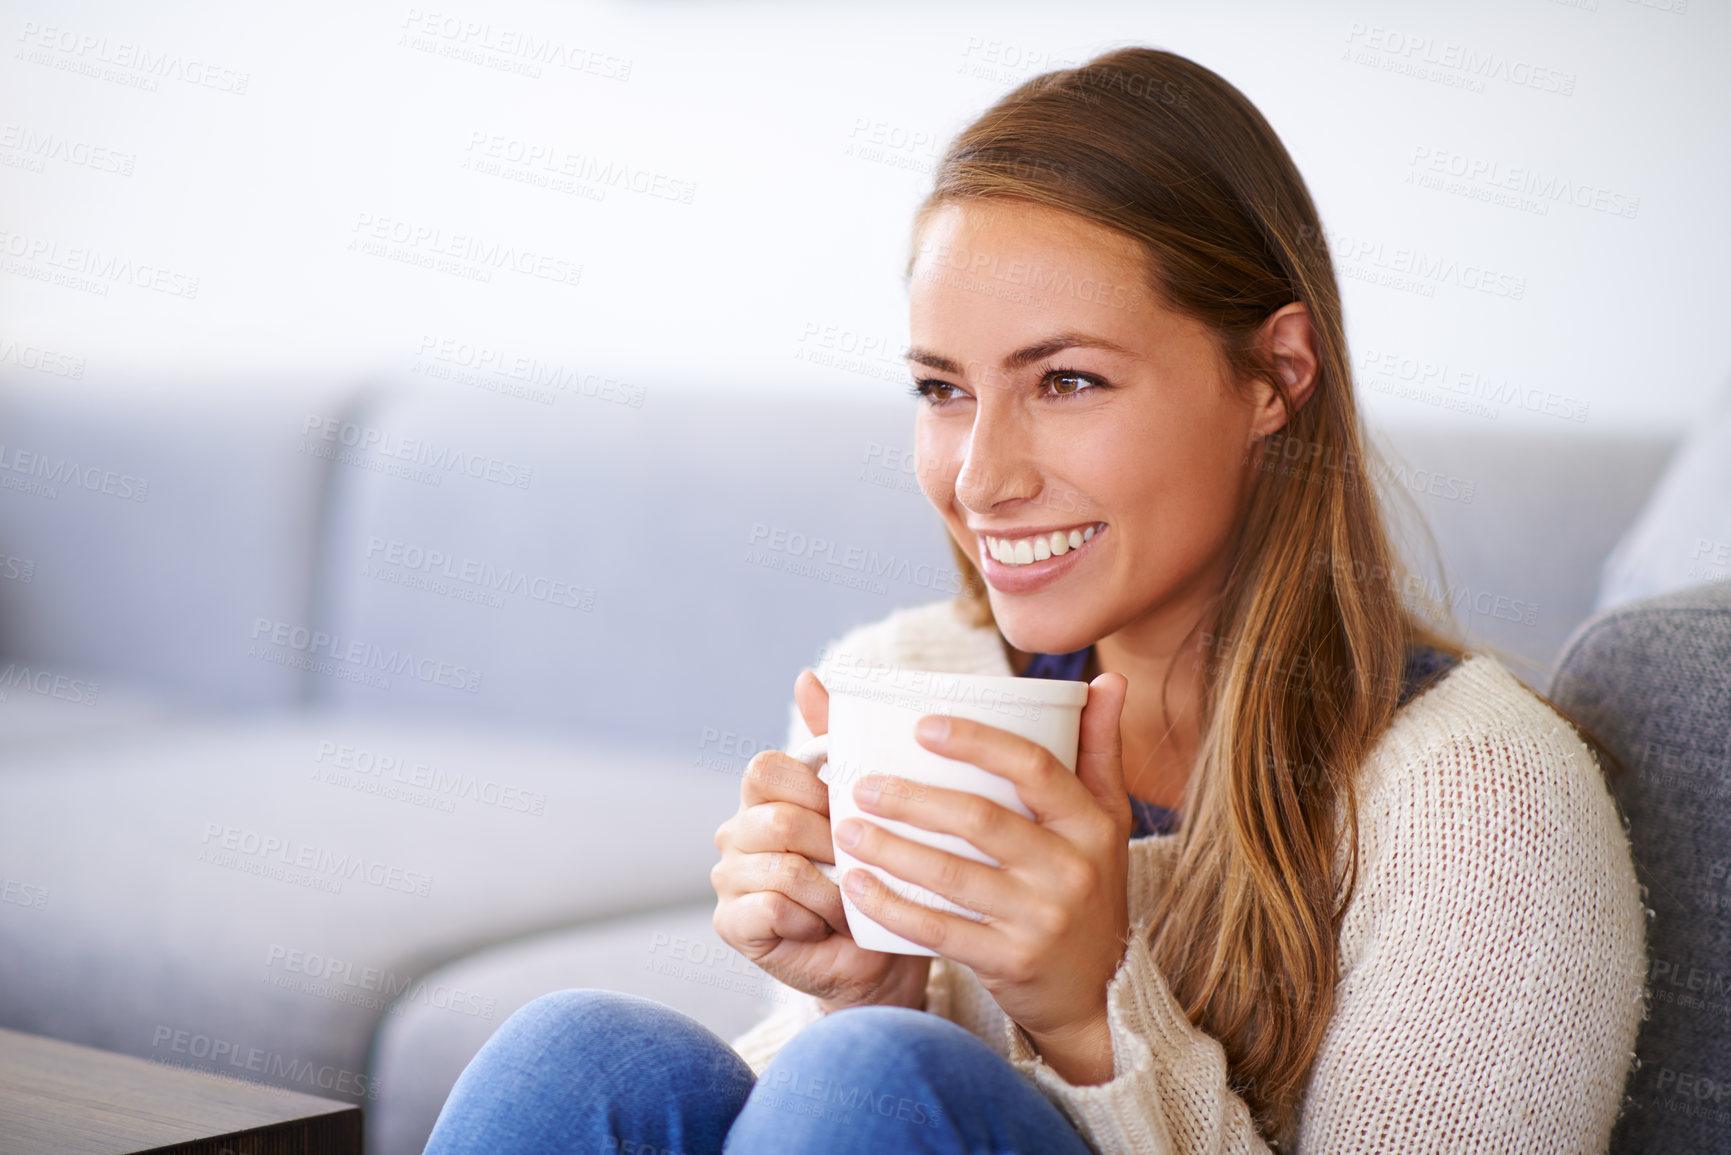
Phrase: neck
[1160,723]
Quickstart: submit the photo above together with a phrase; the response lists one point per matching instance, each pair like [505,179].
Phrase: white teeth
[1027,550]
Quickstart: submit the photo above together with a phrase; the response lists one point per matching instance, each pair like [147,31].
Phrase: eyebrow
[1022,357]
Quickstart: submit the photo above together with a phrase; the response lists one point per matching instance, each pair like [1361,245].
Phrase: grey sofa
[1651,680]
[341,721]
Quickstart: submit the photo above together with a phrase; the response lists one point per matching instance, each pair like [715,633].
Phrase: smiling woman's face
[1062,395]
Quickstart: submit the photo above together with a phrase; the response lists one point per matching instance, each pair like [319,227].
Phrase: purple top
[1424,665]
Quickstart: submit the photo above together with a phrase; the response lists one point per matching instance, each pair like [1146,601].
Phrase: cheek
[1179,481]
[937,457]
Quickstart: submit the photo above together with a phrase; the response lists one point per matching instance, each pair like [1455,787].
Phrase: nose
[998,463]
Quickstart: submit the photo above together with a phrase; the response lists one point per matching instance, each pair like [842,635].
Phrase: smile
[1030,549]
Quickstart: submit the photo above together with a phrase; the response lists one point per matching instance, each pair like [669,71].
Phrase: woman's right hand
[775,908]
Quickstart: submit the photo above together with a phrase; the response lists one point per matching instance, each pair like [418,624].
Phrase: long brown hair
[1305,650]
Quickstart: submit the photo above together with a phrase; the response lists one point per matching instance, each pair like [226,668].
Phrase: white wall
[793,236]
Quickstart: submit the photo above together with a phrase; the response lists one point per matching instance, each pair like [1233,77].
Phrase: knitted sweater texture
[1492,972]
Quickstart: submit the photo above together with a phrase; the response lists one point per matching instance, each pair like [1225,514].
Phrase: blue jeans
[606,1073]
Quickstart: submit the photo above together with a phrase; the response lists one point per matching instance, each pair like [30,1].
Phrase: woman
[1321,880]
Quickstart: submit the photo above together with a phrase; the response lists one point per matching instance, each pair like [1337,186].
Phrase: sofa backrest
[1523,521]
[448,552]
[660,571]
[143,533]
[1652,681]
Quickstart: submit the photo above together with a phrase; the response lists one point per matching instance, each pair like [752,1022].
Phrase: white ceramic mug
[871,730]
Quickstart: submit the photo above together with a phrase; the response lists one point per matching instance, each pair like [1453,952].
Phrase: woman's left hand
[1056,911]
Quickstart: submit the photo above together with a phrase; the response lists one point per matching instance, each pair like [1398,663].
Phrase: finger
[1044,784]
[1010,839]
[781,827]
[813,701]
[950,935]
[775,776]
[1100,749]
[739,876]
[984,889]
[755,924]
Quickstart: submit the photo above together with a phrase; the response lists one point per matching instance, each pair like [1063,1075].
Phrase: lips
[1020,579]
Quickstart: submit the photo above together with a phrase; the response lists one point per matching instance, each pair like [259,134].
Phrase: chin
[1035,632]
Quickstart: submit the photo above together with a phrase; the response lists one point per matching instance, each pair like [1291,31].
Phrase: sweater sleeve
[1168,1091]
[1493,978]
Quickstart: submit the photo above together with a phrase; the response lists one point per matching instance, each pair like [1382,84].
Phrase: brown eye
[1067,383]
[933,390]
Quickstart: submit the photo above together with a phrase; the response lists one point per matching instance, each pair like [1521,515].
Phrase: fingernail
[847,834]
[933,728]
[857,882]
[866,789]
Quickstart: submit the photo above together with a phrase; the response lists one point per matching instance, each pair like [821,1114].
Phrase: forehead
[1006,269]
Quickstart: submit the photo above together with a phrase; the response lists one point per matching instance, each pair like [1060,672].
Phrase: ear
[1290,346]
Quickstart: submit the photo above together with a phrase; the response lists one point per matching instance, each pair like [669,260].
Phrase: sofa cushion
[1682,537]
[673,956]
[1522,522]
[1652,681]
[247,897]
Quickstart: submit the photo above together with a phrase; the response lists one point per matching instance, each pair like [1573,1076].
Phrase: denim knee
[896,1035]
[579,1069]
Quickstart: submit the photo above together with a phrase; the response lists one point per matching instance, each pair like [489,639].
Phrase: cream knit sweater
[1492,963]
